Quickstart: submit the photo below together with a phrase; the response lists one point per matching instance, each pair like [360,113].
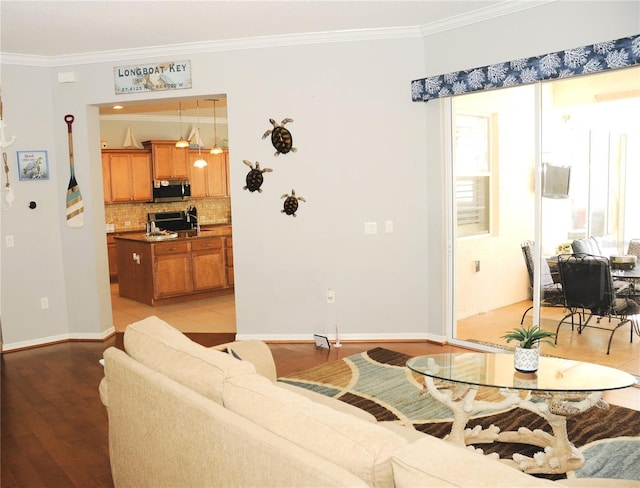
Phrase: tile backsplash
[133,216]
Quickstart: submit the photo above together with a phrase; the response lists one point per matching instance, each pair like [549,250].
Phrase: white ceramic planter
[526,360]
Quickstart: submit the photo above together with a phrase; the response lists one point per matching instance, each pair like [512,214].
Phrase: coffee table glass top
[497,370]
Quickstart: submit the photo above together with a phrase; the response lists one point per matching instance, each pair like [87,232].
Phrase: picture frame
[33,165]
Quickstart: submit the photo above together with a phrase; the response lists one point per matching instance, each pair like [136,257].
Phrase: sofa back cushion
[361,447]
[163,348]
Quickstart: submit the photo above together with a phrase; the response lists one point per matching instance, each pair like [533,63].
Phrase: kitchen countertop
[223,230]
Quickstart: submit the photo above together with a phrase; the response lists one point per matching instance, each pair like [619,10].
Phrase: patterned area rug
[378,381]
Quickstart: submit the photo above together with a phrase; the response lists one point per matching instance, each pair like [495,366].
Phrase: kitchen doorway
[202,122]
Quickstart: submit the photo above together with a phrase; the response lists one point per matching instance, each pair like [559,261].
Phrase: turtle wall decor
[254,177]
[291,203]
[281,138]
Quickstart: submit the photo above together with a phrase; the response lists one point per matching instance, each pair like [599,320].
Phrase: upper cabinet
[126,175]
[212,180]
[169,162]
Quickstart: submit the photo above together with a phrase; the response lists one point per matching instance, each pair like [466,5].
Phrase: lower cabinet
[172,269]
[157,272]
[207,260]
[229,260]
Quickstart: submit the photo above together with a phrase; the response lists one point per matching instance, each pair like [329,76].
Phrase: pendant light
[215,149]
[199,163]
[181,142]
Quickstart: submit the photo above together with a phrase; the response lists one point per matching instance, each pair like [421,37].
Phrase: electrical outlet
[44,303]
[127,224]
[9,241]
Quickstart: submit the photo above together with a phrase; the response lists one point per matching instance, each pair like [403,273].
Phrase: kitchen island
[187,267]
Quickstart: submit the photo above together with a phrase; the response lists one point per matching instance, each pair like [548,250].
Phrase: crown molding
[481,15]
[120,55]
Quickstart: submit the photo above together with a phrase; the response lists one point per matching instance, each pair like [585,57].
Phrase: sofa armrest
[433,462]
[102,388]
[255,352]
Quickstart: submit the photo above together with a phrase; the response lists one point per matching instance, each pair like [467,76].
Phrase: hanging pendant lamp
[215,149]
[199,163]
[181,142]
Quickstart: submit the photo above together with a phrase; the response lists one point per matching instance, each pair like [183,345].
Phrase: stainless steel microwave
[171,190]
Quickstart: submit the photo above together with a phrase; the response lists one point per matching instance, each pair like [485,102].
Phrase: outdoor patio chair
[550,290]
[588,291]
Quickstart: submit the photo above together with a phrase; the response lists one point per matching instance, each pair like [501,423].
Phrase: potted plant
[527,351]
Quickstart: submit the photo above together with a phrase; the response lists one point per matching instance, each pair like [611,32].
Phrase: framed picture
[33,165]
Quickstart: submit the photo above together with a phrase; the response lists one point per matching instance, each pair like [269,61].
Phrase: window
[473,170]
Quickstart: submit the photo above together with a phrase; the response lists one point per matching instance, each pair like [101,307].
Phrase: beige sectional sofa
[183,415]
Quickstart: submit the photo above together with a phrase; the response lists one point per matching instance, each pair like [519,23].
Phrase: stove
[173,221]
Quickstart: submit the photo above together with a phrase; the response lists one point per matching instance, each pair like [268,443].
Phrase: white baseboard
[43,341]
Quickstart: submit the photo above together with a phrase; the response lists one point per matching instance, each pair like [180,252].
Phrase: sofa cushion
[361,447]
[334,403]
[157,345]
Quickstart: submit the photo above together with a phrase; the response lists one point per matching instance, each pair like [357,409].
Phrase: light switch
[370,228]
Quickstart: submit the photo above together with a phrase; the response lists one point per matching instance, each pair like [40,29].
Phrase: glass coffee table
[559,389]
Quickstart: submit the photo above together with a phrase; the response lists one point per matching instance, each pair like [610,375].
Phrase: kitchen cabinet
[208,266]
[229,260]
[160,272]
[212,180]
[126,176]
[169,162]
[172,269]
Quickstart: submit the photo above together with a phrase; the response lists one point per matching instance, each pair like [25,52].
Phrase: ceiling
[59,32]
[63,28]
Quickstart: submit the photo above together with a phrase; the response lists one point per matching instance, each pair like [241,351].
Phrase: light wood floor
[590,345]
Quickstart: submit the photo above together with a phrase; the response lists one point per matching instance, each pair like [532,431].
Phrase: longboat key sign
[170,75]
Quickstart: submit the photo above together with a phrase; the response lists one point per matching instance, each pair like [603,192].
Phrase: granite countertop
[221,230]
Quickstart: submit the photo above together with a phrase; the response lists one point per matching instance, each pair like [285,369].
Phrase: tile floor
[209,315]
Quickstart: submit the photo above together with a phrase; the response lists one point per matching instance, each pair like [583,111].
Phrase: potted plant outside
[527,352]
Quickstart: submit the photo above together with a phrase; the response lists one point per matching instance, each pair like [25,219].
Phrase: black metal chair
[588,291]
[550,290]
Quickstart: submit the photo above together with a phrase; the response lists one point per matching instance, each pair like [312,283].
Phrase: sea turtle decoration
[254,177]
[291,203]
[281,138]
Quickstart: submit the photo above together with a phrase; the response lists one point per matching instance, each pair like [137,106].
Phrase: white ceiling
[63,28]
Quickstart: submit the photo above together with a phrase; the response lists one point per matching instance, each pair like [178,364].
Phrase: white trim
[44,341]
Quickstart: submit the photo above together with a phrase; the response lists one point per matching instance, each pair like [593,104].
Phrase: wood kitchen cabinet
[169,162]
[210,181]
[208,266]
[173,270]
[126,176]
[229,260]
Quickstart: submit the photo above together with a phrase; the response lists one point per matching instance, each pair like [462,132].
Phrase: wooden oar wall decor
[75,207]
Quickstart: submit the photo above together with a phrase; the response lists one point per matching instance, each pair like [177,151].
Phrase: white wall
[365,153]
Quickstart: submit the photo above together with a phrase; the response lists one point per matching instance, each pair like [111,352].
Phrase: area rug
[378,382]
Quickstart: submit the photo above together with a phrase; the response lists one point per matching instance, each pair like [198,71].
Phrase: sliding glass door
[578,140]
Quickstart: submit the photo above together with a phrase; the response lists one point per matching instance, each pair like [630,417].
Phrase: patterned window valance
[602,56]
